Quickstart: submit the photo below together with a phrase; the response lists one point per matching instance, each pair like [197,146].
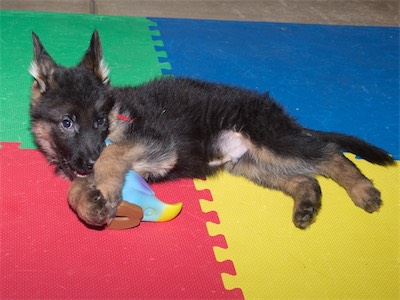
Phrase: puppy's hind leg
[304,189]
[345,173]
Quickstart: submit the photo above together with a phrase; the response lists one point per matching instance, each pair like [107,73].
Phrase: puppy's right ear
[93,59]
[42,66]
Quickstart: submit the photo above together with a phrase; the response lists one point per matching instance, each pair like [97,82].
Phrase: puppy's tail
[359,147]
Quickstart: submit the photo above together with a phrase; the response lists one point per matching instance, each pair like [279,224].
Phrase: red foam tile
[46,252]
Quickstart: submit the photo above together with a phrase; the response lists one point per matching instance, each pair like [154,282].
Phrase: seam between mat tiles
[165,65]
[218,238]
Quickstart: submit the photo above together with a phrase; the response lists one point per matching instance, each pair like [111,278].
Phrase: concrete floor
[354,12]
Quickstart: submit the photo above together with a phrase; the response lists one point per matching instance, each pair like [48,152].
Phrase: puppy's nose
[90,163]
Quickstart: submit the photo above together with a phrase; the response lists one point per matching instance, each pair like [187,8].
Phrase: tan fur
[76,194]
[117,127]
[117,159]
[346,174]
[110,169]
[35,93]
[38,71]
[303,189]
[103,71]
[261,174]
[262,156]
[279,164]
[155,168]
[42,132]
[77,197]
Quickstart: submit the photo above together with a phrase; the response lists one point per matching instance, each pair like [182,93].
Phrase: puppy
[174,128]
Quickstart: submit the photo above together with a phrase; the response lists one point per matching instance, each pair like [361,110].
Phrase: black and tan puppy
[171,128]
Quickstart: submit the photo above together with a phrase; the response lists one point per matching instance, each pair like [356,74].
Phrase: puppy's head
[70,108]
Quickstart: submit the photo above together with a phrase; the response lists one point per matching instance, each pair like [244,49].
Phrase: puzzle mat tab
[331,78]
[346,253]
[129,50]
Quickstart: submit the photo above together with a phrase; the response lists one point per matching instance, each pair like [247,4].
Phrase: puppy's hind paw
[367,197]
[305,214]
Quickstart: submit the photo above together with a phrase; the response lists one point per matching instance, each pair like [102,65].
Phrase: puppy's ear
[42,66]
[93,59]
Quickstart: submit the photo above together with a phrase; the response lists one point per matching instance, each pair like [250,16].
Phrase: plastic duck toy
[140,204]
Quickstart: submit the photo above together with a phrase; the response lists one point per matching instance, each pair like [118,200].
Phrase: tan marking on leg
[280,164]
[116,159]
[303,189]
[77,189]
[306,193]
[263,156]
[360,189]
[110,170]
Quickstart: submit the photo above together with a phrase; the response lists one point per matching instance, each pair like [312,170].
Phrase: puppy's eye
[67,123]
[101,121]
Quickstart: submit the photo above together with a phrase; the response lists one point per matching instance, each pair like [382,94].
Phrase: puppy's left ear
[93,59]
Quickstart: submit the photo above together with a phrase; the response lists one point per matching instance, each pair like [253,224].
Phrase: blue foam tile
[331,78]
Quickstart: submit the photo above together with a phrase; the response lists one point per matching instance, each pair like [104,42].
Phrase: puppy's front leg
[149,158]
[95,198]
[109,175]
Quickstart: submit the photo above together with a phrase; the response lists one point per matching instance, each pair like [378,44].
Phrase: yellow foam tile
[346,253]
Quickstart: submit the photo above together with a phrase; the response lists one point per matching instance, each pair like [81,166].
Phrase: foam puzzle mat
[233,240]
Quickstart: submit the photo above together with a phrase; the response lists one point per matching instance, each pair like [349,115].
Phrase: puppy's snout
[90,163]
[84,165]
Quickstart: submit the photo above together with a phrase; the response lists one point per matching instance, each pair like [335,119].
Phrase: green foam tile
[128,46]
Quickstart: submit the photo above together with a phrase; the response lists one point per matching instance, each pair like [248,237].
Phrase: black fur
[193,119]
[359,147]
[185,128]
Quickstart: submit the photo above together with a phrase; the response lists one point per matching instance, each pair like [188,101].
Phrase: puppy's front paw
[90,204]
[98,212]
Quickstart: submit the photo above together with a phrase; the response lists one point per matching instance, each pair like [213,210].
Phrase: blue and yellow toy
[140,204]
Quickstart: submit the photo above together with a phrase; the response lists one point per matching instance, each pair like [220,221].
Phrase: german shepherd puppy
[173,128]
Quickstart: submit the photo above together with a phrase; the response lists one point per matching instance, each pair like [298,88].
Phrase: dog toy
[140,204]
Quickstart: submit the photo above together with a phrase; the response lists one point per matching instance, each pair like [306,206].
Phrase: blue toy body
[137,191]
